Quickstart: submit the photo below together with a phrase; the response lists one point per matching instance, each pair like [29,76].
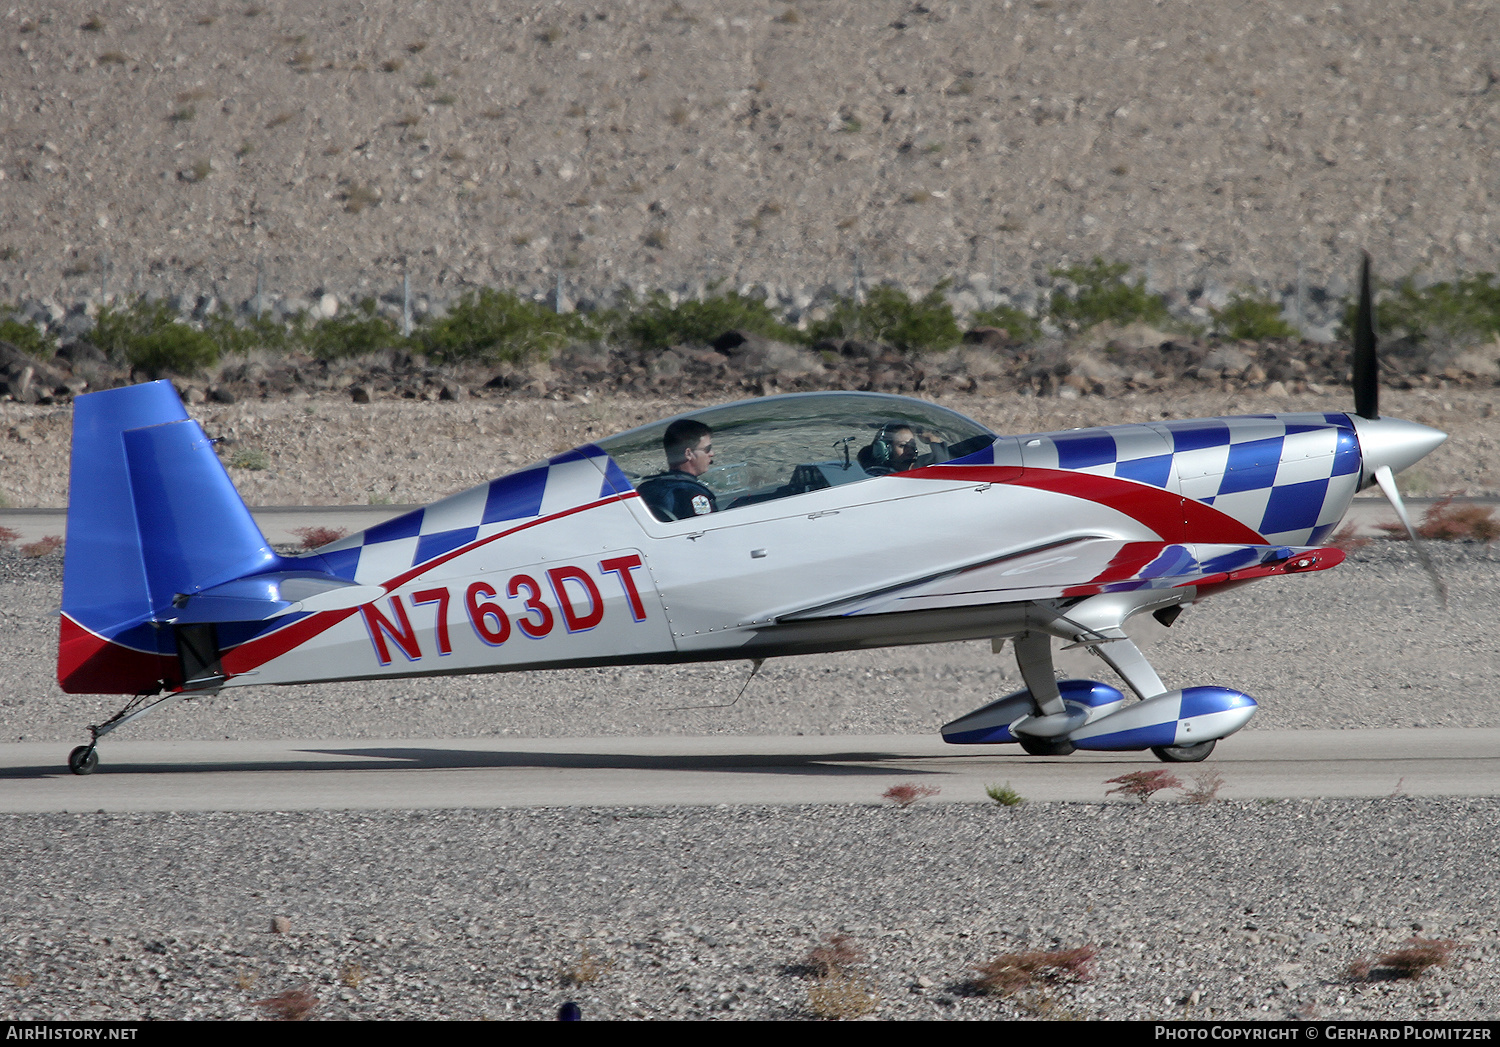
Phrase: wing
[1082,567]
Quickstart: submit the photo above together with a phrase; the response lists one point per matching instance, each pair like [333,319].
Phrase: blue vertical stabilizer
[151,514]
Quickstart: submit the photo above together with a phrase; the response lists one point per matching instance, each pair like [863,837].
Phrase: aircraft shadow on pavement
[387,758]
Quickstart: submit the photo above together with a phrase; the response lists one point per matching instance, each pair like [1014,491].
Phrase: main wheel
[1184,753]
[83,760]
[1046,746]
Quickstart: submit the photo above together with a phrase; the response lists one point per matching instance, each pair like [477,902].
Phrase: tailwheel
[83,759]
[1184,753]
[1048,746]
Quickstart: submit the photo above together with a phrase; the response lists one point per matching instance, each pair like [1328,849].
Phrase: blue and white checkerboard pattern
[576,478]
[1287,476]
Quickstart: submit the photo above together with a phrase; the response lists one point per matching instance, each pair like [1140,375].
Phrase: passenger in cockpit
[894,450]
[676,494]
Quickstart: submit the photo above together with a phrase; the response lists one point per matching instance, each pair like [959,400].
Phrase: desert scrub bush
[657,324]
[294,1005]
[1251,318]
[1449,520]
[908,793]
[492,326]
[835,954]
[317,537]
[357,331]
[148,336]
[1101,294]
[25,336]
[1015,322]
[1415,957]
[840,996]
[1205,788]
[1465,309]
[888,315]
[253,332]
[1004,795]
[44,546]
[1012,972]
[1143,785]
[250,458]
[837,991]
[587,969]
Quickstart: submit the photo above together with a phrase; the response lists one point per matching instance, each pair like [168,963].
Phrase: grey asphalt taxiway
[667,771]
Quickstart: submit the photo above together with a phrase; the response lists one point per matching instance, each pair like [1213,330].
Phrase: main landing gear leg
[1034,658]
[1126,659]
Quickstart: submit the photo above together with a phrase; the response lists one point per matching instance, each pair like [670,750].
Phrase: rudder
[152,515]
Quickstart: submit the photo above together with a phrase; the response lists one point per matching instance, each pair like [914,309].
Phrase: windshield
[779,446]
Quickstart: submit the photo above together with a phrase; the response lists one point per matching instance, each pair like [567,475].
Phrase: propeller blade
[1387,481]
[1366,364]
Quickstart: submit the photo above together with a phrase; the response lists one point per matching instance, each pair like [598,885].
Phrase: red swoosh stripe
[1170,515]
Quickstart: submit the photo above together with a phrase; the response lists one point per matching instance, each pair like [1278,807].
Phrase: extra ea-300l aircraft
[829,522]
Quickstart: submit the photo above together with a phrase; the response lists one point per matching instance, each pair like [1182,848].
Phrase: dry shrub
[313,537]
[840,996]
[1415,956]
[8,535]
[907,793]
[1453,521]
[589,967]
[42,546]
[1011,972]
[1144,784]
[1205,789]
[833,955]
[294,1005]
[1345,538]
[1450,520]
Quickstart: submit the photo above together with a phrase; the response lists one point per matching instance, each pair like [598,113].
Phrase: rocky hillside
[179,147]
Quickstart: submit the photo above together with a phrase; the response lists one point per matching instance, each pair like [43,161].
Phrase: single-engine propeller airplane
[831,522]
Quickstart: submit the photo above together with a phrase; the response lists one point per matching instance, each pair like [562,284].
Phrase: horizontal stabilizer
[263,596]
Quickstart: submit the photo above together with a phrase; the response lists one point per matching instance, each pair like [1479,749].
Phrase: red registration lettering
[576,623]
[380,627]
[621,566]
[482,613]
[543,625]
[439,597]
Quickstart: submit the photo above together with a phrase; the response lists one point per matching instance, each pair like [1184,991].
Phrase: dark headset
[882,451]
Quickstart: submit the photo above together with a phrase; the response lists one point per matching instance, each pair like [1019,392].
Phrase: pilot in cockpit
[676,494]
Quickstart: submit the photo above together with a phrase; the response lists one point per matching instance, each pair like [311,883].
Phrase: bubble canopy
[779,446]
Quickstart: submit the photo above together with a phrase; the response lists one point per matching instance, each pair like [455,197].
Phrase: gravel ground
[1230,911]
[1233,910]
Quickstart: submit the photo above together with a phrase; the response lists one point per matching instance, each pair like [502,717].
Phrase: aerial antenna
[755,664]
